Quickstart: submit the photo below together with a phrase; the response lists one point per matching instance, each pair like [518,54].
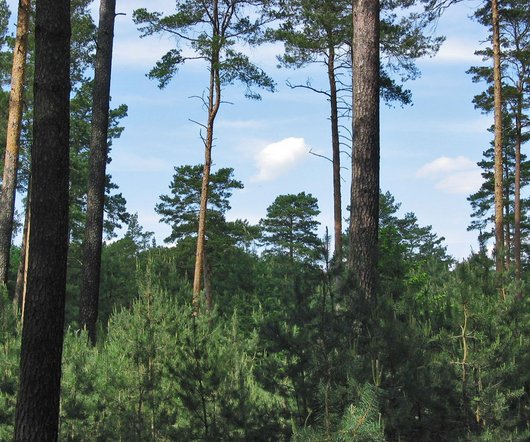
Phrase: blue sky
[428,151]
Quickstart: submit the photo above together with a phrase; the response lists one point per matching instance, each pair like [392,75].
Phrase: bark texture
[214,102]
[497,92]
[364,219]
[517,191]
[335,144]
[97,170]
[37,409]
[14,125]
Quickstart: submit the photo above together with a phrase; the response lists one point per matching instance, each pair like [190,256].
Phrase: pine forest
[274,286]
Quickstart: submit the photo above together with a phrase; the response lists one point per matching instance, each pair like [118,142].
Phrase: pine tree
[97,166]
[364,208]
[221,24]
[42,334]
[14,127]
[514,26]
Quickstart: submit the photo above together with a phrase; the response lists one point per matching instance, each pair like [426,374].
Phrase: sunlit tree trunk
[364,217]
[14,125]
[517,192]
[97,170]
[214,102]
[37,410]
[497,91]
[20,288]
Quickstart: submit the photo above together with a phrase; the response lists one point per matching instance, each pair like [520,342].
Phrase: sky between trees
[429,150]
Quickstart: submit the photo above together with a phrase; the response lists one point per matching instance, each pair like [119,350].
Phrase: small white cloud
[444,165]
[458,175]
[277,158]
[455,50]
[461,183]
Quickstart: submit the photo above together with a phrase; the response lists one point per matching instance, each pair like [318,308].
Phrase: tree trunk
[335,144]
[507,226]
[37,410]
[207,270]
[497,91]
[20,288]
[14,125]
[517,192]
[89,298]
[364,217]
[214,102]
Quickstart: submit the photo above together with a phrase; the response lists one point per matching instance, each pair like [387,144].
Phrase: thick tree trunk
[335,144]
[497,91]
[14,125]
[364,217]
[214,102]
[97,170]
[37,410]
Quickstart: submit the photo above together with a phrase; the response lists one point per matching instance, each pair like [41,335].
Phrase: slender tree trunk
[37,409]
[517,192]
[214,102]
[364,217]
[207,282]
[497,91]
[335,144]
[18,299]
[507,226]
[14,125]
[97,170]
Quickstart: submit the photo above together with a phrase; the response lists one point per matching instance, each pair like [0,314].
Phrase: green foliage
[163,374]
[514,23]
[80,132]
[181,208]
[9,364]
[212,33]
[315,31]
[360,422]
[290,225]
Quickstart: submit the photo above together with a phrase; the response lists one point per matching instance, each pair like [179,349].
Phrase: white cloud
[456,50]
[444,165]
[457,175]
[466,182]
[277,158]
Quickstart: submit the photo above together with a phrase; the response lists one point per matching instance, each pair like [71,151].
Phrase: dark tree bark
[335,142]
[497,107]
[14,125]
[517,201]
[364,217]
[97,170]
[37,408]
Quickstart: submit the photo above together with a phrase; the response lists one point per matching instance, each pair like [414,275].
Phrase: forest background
[284,345]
